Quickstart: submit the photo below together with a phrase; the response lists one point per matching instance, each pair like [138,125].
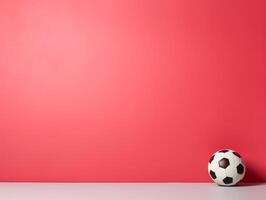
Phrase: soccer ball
[226,167]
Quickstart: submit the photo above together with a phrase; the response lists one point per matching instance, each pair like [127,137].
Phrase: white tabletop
[129,191]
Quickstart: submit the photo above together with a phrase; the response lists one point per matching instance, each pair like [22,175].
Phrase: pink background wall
[115,90]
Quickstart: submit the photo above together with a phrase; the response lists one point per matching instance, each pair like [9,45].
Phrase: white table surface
[129,191]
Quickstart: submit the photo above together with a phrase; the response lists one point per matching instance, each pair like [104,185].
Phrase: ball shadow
[253,178]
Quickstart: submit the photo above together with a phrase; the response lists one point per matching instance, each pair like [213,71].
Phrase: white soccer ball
[226,167]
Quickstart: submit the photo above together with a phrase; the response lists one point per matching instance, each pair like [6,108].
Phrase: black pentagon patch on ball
[224,163]
[212,174]
[211,159]
[237,154]
[228,180]
[240,169]
[223,151]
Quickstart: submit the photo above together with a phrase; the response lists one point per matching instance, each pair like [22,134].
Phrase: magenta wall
[117,90]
